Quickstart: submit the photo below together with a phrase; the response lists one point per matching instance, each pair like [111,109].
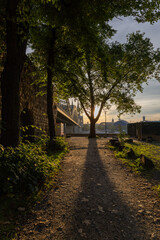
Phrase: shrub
[25,168]
[57,144]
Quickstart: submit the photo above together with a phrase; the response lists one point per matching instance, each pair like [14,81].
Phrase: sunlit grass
[151,151]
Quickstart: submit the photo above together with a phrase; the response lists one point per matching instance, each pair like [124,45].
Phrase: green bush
[25,168]
[57,144]
[120,154]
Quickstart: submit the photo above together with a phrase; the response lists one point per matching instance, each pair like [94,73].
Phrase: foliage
[133,164]
[151,151]
[27,136]
[18,165]
[122,137]
[113,77]
[25,168]
[80,48]
[57,144]
[105,73]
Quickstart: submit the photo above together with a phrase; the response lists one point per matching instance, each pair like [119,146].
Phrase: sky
[149,100]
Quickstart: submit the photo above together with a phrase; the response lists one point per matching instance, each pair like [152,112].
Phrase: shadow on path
[100,213]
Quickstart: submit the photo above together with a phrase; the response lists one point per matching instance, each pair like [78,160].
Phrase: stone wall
[33,107]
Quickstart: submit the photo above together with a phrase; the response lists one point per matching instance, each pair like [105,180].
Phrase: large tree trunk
[92,133]
[10,80]
[92,120]
[50,110]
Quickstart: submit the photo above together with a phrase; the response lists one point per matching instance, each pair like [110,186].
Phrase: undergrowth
[24,172]
[151,151]
[134,164]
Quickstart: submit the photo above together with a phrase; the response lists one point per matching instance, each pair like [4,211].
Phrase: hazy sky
[150,98]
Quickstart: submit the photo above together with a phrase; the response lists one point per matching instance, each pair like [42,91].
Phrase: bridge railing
[66,112]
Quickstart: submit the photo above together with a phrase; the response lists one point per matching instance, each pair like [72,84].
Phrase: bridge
[33,106]
[64,117]
[68,118]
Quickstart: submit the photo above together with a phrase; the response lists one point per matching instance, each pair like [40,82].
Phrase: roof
[121,122]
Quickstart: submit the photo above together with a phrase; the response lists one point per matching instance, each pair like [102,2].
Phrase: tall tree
[111,74]
[44,46]
[50,67]
[15,56]
[83,16]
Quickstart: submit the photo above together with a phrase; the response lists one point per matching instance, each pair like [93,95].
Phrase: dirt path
[96,198]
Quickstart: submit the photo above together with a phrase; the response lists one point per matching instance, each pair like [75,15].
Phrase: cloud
[125,25]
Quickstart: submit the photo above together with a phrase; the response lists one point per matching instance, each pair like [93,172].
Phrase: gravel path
[95,198]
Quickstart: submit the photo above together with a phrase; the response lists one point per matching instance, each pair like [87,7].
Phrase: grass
[34,165]
[150,150]
[133,164]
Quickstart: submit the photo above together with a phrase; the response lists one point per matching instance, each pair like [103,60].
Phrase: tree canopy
[81,24]
[111,74]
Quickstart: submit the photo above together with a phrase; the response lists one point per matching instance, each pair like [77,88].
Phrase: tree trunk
[10,80]
[50,110]
[92,128]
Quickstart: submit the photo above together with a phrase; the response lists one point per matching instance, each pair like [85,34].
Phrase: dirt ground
[95,198]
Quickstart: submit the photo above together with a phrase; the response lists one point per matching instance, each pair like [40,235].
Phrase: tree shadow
[100,212]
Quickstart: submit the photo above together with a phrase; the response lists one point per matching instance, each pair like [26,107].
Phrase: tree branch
[84,109]
[105,99]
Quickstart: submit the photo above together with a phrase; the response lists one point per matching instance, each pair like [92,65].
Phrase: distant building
[112,127]
[121,126]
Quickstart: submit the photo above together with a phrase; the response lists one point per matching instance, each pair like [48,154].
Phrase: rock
[117,144]
[21,209]
[146,162]
[114,142]
[120,148]
[149,139]
[129,140]
[131,154]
